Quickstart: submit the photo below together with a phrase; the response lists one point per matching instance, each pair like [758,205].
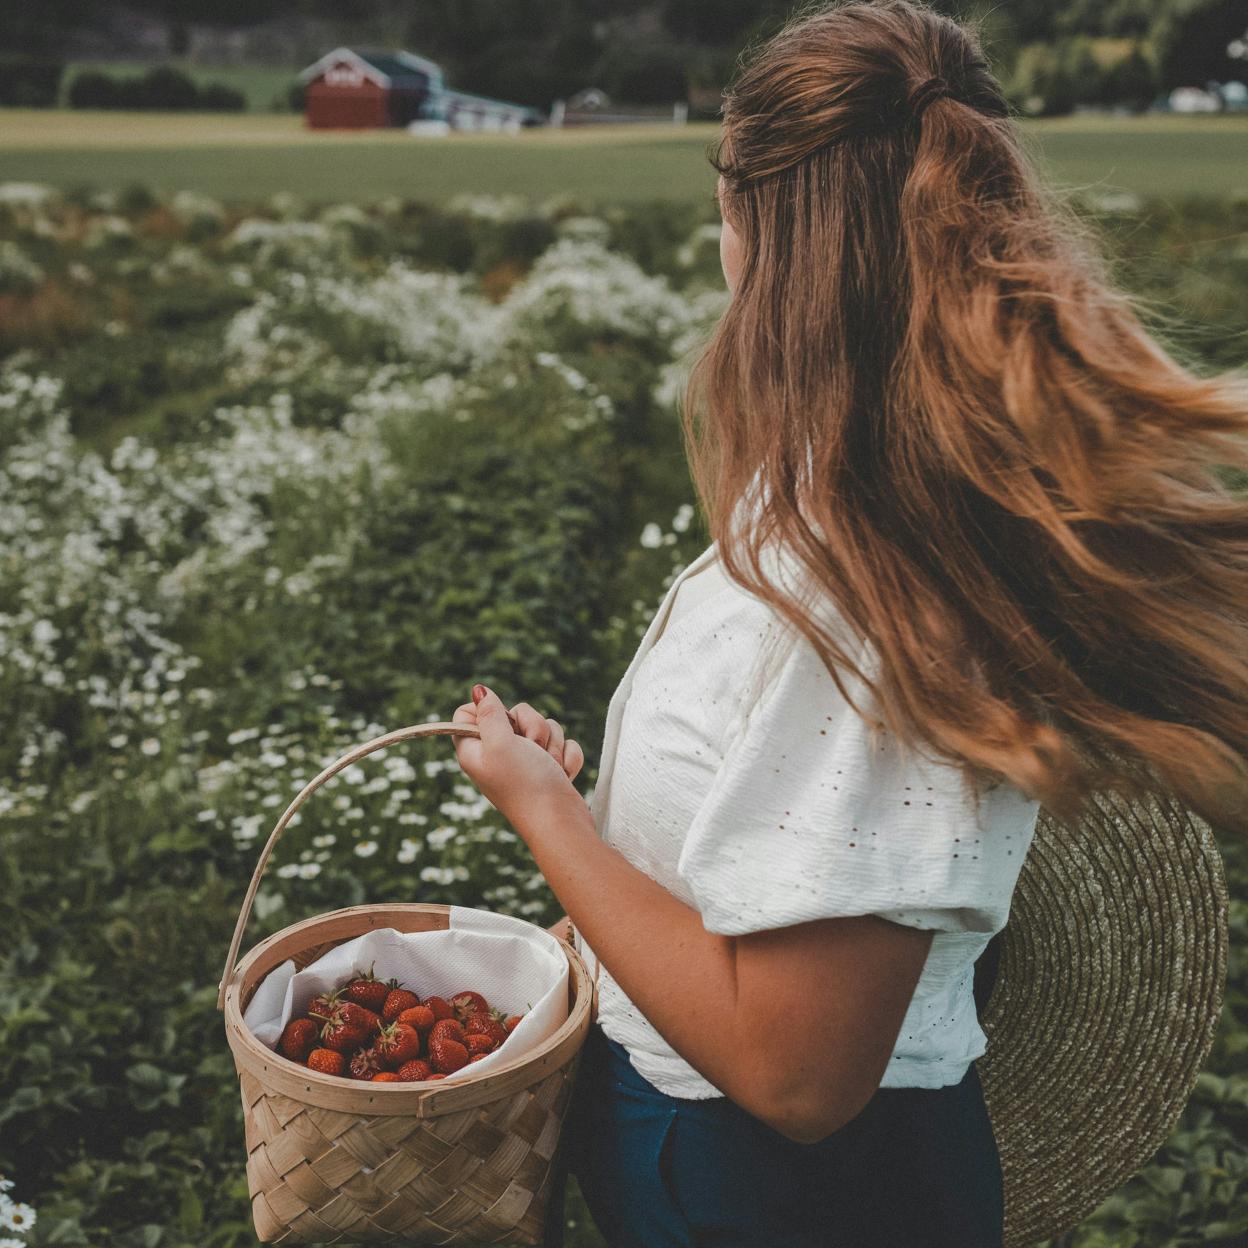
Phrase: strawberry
[398,1043]
[477,1043]
[325,1002]
[476,1057]
[398,1000]
[361,1016]
[385,1076]
[419,1016]
[338,1032]
[512,1023]
[366,1063]
[447,1055]
[486,1025]
[298,1039]
[446,1029]
[437,1075]
[326,1061]
[367,990]
[441,1008]
[415,1070]
[466,1004]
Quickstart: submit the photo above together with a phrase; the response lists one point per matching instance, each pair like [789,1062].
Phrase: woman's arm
[795,1024]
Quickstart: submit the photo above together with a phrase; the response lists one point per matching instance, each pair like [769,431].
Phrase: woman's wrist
[552,814]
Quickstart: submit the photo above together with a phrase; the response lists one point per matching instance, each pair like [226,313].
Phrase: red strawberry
[437,1075]
[415,1070]
[466,1004]
[385,1076]
[441,1008]
[367,990]
[361,1016]
[326,1061]
[419,1016]
[446,1029]
[447,1055]
[298,1039]
[398,1000]
[477,1043]
[476,1057]
[486,1025]
[325,1002]
[398,1043]
[366,1063]
[339,1032]
[512,1023]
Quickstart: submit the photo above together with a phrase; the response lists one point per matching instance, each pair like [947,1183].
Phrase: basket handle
[377,743]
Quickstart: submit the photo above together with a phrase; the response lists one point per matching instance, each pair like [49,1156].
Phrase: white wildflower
[437,875]
[441,836]
[247,828]
[15,1216]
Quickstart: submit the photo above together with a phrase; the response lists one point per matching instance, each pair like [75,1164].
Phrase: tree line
[1051,55]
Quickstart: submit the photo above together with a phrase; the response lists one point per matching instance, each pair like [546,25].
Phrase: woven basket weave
[329,1159]
[1111,981]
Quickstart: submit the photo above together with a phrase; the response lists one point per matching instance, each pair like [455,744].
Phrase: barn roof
[400,67]
[468,98]
[387,69]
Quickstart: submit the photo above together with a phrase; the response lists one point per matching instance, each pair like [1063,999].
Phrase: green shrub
[29,82]
[162,87]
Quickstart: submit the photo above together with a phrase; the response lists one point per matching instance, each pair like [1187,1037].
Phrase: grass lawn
[253,155]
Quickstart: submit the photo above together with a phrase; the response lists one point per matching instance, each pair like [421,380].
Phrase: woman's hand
[521,760]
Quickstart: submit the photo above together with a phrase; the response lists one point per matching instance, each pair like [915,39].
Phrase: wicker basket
[467,1162]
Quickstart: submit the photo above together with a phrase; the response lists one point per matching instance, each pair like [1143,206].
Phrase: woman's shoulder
[783,658]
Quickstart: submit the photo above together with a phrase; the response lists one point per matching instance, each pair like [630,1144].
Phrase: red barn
[356,89]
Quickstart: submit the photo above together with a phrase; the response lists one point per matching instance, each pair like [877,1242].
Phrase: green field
[255,155]
[266,88]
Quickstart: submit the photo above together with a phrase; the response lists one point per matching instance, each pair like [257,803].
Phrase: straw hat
[1109,980]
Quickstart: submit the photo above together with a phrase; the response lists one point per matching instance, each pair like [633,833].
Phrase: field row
[232,156]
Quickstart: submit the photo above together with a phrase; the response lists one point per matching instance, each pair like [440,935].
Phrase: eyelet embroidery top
[735,774]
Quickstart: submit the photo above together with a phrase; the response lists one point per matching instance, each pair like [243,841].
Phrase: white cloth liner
[515,965]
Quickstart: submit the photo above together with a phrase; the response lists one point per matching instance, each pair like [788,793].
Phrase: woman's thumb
[492,717]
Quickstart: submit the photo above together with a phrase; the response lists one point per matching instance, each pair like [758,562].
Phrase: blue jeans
[917,1168]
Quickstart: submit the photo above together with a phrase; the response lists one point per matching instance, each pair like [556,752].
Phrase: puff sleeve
[807,818]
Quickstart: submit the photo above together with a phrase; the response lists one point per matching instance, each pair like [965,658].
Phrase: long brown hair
[963,432]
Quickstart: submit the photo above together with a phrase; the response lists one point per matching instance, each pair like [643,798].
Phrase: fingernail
[478,692]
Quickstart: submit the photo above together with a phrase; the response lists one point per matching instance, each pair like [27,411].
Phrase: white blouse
[735,774]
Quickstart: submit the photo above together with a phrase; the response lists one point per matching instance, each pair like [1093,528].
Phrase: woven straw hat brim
[1111,979]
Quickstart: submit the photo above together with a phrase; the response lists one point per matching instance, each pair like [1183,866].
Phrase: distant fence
[561,115]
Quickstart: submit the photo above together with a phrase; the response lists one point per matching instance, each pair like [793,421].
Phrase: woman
[972,555]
